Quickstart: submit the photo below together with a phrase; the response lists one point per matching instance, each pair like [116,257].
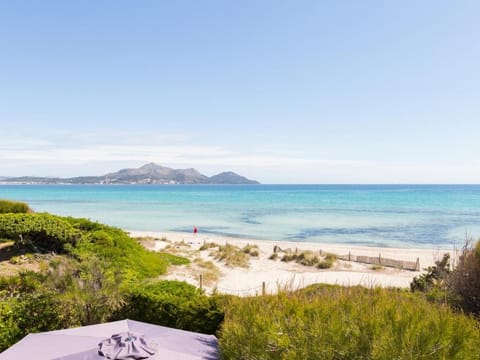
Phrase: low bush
[274,256]
[329,322]
[434,277]
[324,264]
[289,257]
[327,261]
[173,259]
[43,232]
[7,206]
[208,245]
[27,305]
[174,304]
[232,256]
[463,282]
[308,258]
[251,250]
[122,252]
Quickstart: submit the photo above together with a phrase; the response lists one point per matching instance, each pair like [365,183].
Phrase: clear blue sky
[280,91]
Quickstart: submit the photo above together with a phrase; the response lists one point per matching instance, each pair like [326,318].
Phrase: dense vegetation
[7,206]
[42,232]
[91,273]
[175,304]
[95,274]
[332,322]
[460,287]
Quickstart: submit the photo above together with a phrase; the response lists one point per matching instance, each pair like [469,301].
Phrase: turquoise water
[376,215]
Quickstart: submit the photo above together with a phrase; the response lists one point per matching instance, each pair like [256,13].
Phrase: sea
[425,216]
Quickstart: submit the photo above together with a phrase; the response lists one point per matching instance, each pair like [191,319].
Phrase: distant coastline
[147,174]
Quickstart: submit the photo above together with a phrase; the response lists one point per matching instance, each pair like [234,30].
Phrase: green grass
[329,322]
[173,259]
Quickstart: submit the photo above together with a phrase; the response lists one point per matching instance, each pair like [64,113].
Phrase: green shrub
[174,304]
[84,224]
[44,232]
[463,283]
[7,206]
[327,322]
[173,259]
[435,276]
[83,239]
[120,250]
[32,312]
[25,282]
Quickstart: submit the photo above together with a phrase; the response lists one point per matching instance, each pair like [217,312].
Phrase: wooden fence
[374,260]
[379,260]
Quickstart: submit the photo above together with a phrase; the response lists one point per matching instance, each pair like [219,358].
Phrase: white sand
[278,274]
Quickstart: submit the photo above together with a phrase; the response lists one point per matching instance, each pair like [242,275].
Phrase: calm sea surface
[377,215]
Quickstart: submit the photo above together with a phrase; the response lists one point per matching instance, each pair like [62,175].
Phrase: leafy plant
[7,206]
[435,276]
[42,232]
[175,304]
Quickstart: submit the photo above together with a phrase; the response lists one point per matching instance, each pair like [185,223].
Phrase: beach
[266,275]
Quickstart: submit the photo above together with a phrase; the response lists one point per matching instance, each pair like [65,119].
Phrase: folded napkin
[126,346]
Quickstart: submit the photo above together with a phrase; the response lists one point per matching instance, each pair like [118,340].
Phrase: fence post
[349,256]
[380,259]
[417,264]
[263,287]
[201,281]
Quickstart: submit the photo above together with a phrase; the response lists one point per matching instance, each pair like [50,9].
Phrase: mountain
[229,177]
[147,174]
[156,174]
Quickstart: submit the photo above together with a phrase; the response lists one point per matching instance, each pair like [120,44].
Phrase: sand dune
[275,274]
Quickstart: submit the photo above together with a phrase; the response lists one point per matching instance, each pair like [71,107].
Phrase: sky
[279,91]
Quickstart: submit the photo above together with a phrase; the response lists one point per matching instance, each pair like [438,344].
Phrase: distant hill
[230,177]
[147,174]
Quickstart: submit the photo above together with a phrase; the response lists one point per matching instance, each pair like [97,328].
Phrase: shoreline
[274,275]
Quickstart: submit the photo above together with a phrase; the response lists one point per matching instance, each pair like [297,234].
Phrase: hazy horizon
[283,92]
